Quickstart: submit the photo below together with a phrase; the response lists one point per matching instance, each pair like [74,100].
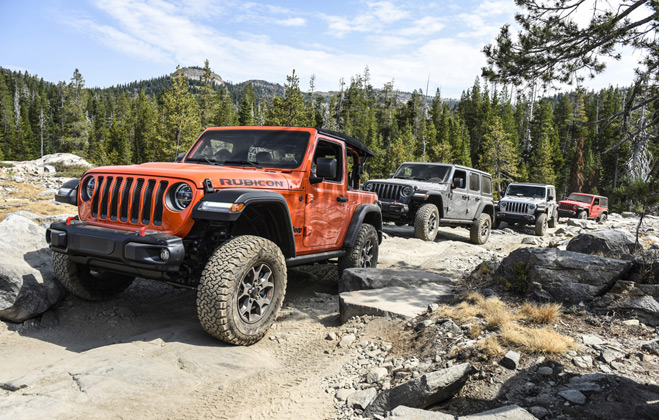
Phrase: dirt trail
[144,354]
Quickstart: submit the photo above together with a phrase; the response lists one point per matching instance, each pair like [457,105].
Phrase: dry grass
[536,340]
[491,346]
[541,314]
[475,331]
[26,197]
[498,316]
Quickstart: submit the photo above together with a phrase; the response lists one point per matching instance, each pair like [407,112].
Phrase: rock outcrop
[27,282]
[561,276]
[605,242]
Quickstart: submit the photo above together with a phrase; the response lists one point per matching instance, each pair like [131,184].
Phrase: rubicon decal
[251,182]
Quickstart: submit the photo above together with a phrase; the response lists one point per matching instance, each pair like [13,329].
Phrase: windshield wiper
[204,159]
[243,162]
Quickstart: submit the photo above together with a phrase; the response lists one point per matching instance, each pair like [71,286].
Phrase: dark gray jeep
[429,195]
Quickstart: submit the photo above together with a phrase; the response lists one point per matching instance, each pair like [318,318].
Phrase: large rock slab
[27,282]
[396,302]
[605,242]
[373,278]
[562,276]
[509,412]
[421,392]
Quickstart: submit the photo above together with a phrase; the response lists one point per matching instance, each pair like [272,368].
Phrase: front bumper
[392,211]
[127,252]
[515,217]
[566,213]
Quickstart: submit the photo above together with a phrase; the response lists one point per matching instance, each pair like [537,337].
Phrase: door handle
[341,199]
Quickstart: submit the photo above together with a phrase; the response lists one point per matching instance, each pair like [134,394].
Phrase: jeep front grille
[565,206]
[118,197]
[516,207]
[386,191]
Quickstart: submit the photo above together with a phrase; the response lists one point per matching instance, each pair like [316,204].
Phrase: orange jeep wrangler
[228,218]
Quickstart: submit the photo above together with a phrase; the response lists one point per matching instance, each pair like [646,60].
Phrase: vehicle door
[552,205]
[325,215]
[595,209]
[475,199]
[459,195]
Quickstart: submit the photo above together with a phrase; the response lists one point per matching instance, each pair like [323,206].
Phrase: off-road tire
[426,222]
[364,253]
[541,224]
[85,283]
[602,218]
[225,286]
[480,229]
[581,214]
[554,220]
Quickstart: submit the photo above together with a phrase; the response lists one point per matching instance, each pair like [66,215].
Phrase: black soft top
[350,141]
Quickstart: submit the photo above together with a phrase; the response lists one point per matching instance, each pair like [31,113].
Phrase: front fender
[219,206]
[364,213]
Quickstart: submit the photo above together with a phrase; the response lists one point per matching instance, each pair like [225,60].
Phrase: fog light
[164,254]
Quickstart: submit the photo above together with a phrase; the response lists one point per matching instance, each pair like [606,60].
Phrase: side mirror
[458,183]
[180,157]
[326,168]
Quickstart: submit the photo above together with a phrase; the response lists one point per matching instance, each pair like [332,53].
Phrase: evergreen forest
[572,140]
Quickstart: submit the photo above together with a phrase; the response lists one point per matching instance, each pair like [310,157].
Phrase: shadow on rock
[548,392]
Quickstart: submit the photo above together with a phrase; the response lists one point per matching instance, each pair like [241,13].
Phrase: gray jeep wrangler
[529,204]
[430,195]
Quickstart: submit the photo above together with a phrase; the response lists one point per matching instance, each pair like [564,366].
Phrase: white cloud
[379,15]
[422,27]
[493,8]
[298,21]
[386,11]
[390,42]
[399,45]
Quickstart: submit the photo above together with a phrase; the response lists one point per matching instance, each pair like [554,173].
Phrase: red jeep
[584,206]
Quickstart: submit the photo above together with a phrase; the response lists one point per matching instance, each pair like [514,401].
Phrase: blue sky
[119,41]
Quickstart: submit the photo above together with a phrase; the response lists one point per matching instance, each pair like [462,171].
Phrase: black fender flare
[434,197]
[482,207]
[219,204]
[363,212]
[68,192]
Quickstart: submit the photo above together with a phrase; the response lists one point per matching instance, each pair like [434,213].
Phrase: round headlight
[368,187]
[182,196]
[531,208]
[407,191]
[502,205]
[89,187]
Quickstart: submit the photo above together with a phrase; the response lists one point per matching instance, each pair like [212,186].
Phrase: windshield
[580,198]
[525,191]
[260,148]
[423,172]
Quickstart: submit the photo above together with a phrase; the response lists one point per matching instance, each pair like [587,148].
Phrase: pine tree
[118,147]
[226,113]
[247,109]
[543,136]
[181,121]
[290,110]
[76,127]
[208,99]
[499,156]
[146,142]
